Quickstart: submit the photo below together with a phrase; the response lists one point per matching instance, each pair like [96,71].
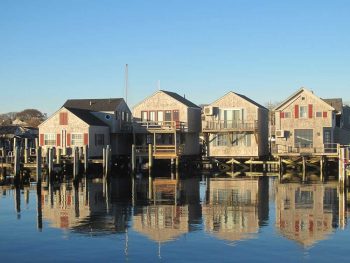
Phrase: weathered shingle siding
[315,123]
[251,113]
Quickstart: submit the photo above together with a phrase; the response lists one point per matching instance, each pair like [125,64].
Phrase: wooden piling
[38,164]
[17,162]
[103,160]
[58,156]
[108,158]
[304,168]
[150,156]
[342,170]
[86,158]
[75,163]
[39,207]
[26,151]
[177,161]
[280,168]
[50,162]
[133,158]
[322,169]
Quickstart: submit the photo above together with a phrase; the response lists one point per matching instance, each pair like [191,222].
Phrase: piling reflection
[165,207]
[308,213]
[87,207]
[235,208]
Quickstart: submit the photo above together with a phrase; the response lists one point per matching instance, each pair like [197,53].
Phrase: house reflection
[307,213]
[235,208]
[88,208]
[166,208]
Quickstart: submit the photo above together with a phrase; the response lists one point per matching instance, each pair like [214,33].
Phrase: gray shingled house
[92,122]
[170,122]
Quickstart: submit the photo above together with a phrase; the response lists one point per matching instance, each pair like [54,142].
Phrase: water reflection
[165,207]
[170,208]
[308,213]
[235,208]
[87,207]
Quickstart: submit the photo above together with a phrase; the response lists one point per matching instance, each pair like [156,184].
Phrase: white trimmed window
[318,114]
[49,139]
[77,139]
[303,111]
[287,114]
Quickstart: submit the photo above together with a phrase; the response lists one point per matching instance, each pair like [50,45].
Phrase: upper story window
[318,114]
[303,111]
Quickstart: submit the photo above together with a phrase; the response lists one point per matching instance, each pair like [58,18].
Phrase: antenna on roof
[126,83]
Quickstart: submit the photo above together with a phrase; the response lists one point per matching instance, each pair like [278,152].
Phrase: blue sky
[51,51]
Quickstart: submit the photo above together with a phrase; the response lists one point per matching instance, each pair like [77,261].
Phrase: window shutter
[68,139]
[310,111]
[63,118]
[296,111]
[281,114]
[58,139]
[325,114]
[86,139]
[41,141]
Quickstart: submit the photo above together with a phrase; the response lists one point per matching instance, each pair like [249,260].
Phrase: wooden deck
[226,126]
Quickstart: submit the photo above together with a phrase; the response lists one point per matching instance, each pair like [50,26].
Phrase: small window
[318,114]
[144,115]
[152,116]
[50,139]
[303,111]
[108,117]
[99,139]
[287,114]
[77,139]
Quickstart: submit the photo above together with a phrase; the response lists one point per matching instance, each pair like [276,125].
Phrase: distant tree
[32,117]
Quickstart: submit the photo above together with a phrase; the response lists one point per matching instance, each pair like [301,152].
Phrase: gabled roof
[181,99]
[296,94]
[337,103]
[243,97]
[94,104]
[87,117]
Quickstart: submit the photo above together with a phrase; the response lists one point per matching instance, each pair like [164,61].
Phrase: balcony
[229,126]
[297,149]
[159,126]
[161,151]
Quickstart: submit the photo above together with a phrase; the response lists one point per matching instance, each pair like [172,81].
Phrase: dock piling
[38,164]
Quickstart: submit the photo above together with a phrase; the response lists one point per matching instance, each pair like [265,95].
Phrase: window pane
[50,139]
[303,138]
[303,111]
[77,139]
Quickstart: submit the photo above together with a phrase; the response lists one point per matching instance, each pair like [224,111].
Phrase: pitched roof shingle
[87,117]
[180,99]
[93,104]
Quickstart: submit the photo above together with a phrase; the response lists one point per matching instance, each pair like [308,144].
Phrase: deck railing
[327,148]
[161,150]
[161,125]
[230,125]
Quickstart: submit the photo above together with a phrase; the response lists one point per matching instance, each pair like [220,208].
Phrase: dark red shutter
[281,114]
[325,114]
[296,111]
[86,138]
[41,141]
[58,139]
[63,118]
[68,139]
[310,111]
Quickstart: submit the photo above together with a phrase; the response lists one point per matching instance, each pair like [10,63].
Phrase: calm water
[210,219]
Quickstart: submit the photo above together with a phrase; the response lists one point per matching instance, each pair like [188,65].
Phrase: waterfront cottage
[95,123]
[169,122]
[307,124]
[235,126]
